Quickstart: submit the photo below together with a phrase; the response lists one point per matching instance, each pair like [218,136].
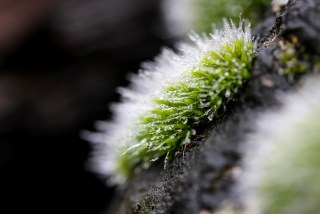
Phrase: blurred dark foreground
[60,62]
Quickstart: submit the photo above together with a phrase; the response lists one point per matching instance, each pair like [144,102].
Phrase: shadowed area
[60,62]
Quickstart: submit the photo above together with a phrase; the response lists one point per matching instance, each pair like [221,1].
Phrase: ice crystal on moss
[168,98]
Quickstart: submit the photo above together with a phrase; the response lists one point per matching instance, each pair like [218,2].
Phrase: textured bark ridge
[203,175]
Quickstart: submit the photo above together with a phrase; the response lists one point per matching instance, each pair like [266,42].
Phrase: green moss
[292,184]
[193,100]
[292,65]
[207,12]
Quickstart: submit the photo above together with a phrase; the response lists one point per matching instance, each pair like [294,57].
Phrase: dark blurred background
[60,62]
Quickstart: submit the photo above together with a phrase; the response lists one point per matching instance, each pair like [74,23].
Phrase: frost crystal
[169,97]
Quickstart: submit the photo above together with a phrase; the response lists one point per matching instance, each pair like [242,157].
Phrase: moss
[292,65]
[211,11]
[191,101]
[292,62]
[292,181]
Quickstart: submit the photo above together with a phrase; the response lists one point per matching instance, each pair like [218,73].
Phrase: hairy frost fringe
[277,155]
[124,141]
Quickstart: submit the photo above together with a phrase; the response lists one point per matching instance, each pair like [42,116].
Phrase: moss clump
[202,16]
[292,65]
[207,12]
[292,62]
[291,184]
[191,101]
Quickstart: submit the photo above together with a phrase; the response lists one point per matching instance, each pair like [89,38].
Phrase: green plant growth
[169,98]
[192,100]
[292,65]
[292,184]
[207,12]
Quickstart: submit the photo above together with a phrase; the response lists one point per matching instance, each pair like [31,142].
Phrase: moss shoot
[211,11]
[292,182]
[199,15]
[170,97]
[282,161]
[191,101]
